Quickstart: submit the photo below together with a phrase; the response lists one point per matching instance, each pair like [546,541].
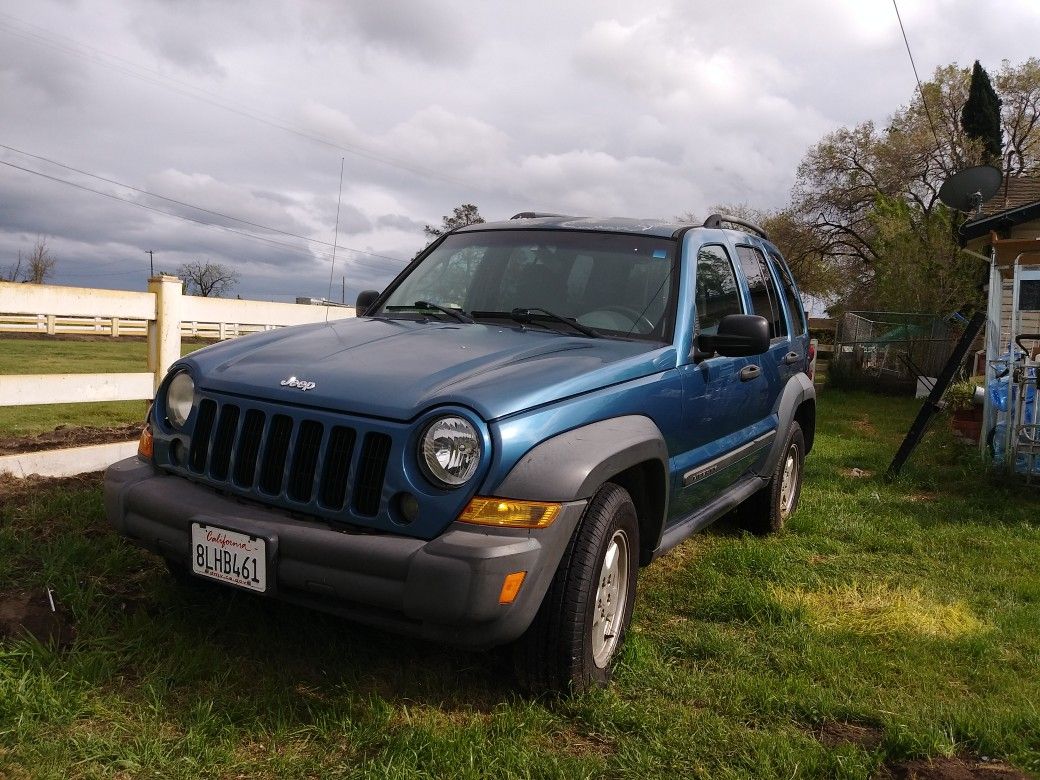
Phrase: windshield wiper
[456,314]
[523,315]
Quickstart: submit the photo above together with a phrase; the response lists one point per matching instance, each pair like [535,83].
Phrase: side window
[717,293]
[794,303]
[765,301]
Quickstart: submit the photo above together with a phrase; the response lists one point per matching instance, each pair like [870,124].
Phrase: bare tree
[209,280]
[13,273]
[40,263]
[33,269]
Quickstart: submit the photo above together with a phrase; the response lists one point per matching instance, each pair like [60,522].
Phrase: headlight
[449,451]
[180,394]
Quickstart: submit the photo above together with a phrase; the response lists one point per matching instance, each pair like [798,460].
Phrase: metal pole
[931,404]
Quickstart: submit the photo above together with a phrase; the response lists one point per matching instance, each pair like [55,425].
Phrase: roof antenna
[335,241]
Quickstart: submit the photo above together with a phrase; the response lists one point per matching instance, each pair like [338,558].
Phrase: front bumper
[445,589]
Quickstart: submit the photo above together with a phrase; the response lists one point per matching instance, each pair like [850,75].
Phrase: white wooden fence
[162,313]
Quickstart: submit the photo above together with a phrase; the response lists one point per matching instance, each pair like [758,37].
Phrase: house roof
[1017,201]
[1016,191]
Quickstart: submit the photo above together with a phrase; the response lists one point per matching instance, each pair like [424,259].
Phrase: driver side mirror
[364,302]
[739,335]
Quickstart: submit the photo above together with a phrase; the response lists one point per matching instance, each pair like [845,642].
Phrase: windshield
[610,283]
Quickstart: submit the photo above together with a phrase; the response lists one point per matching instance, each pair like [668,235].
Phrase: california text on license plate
[228,556]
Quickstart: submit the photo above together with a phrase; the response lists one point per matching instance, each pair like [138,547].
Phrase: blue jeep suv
[529,413]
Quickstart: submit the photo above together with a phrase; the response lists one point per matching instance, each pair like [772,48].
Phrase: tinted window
[717,293]
[764,299]
[794,304]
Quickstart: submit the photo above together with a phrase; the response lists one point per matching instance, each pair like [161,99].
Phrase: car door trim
[693,476]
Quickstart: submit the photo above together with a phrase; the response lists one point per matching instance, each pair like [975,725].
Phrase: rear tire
[767,510]
[574,640]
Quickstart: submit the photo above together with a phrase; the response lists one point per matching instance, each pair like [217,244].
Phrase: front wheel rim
[789,482]
[611,599]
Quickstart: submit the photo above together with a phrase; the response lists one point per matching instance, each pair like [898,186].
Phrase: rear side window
[794,304]
[717,293]
[765,300]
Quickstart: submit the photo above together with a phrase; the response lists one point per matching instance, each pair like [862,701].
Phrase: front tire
[574,640]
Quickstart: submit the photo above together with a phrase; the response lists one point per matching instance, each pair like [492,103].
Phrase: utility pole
[151,262]
[343,291]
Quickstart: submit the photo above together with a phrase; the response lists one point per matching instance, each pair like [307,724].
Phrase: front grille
[297,460]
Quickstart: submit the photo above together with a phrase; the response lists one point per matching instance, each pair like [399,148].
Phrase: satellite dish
[967,190]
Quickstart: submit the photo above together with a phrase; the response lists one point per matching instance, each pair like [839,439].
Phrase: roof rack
[535,215]
[716,220]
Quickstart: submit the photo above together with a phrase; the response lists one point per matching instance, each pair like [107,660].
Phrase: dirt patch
[921,497]
[836,733]
[69,436]
[577,743]
[956,768]
[15,491]
[30,613]
[856,473]
[865,426]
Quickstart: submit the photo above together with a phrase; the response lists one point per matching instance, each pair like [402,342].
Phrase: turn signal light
[511,586]
[144,444]
[507,513]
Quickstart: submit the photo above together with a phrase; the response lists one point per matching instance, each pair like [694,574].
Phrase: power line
[187,218]
[171,200]
[920,89]
[45,38]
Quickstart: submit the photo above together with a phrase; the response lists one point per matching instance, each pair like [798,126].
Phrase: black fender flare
[572,465]
[797,391]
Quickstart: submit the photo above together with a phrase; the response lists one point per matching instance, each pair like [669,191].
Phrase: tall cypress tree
[980,116]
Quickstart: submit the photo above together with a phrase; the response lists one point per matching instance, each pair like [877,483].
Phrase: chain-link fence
[889,351]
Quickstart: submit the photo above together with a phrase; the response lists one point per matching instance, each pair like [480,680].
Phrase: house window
[1029,295]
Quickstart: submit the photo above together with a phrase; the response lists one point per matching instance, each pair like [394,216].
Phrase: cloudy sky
[245,109]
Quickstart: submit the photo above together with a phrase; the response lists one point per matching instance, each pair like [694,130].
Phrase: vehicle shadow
[287,665]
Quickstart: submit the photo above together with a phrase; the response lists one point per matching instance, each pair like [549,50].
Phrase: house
[1006,230]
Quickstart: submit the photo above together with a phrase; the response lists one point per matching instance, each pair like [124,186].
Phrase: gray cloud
[605,107]
[436,32]
[400,222]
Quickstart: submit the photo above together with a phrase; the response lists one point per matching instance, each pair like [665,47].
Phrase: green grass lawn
[59,356]
[888,623]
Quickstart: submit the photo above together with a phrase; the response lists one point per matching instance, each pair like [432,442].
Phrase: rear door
[796,359]
[764,300]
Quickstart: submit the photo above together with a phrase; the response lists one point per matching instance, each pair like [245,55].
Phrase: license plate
[228,556]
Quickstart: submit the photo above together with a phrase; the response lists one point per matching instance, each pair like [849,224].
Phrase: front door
[723,397]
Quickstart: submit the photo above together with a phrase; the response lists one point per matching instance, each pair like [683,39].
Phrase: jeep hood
[396,369]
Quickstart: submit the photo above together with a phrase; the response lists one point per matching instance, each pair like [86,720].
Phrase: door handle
[747,373]
[791,357]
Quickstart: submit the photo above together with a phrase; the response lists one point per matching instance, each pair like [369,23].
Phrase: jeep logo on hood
[298,383]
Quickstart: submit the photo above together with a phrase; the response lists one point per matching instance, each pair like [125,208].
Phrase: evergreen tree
[980,116]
